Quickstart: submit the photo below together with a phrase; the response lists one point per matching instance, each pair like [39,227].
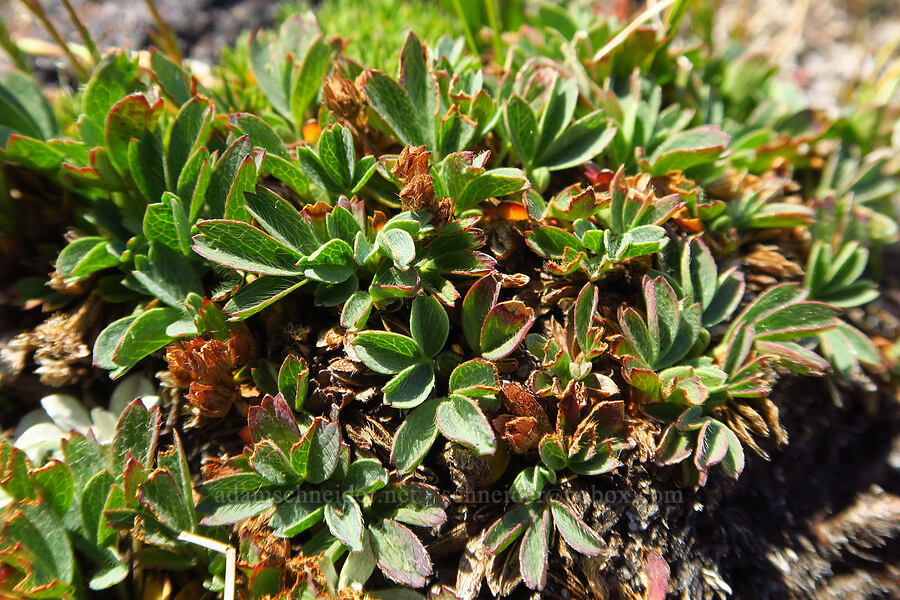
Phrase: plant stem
[491,6]
[12,49]
[82,31]
[470,36]
[167,36]
[649,13]
[38,11]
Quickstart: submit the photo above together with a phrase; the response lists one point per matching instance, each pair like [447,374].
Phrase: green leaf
[84,457]
[724,302]
[274,420]
[142,336]
[692,419]
[308,79]
[386,352]
[393,104]
[643,240]
[31,152]
[712,444]
[112,79]
[558,111]
[399,553]
[83,257]
[287,171]
[521,125]
[282,221]
[552,453]
[241,246]
[733,463]
[429,325]
[462,421]
[364,477]
[796,321]
[475,378]
[337,156]
[415,436]
[323,440]
[335,294]
[34,535]
[166,222]
[260,293]
[508,528]
[552,242]
[673,448]
[189,131]
[341,223]
[93,498]
[410,387]
[398,245]
[174,460]
[576,532]
[25,108]
[225,172]
[344,519]
[162,496]
[534,552]
[106,577]
[412,503]
[479,301]
[244,181]
[297,514]
[492,184]
[332,263]
[167,275]
[419,83]
[170,77]
[128,118]
[56,485]
[14,473]
[456,131]
[359,566]
[315,169]
[194,181]
[585,308]
[688,149]
[136,434]
[261,134]
[292,380]
[504,329]
[581,142]
[272,464]
[769,301]
[528,484]
[356,310]
[236,497]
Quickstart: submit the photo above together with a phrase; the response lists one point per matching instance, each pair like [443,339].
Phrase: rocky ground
[822,518]
[202,26]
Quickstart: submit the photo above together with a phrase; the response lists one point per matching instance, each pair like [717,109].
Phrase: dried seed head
[206,368]
[414,173]
[345,98]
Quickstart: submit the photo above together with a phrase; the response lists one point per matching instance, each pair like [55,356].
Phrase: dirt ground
[822,45]
[785,529]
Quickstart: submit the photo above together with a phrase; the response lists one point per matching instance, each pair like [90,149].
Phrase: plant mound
[459,329]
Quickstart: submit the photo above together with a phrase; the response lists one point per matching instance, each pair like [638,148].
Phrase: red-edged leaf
[479,301]
[504,329]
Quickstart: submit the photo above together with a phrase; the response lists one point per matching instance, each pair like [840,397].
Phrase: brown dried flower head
[206,368]
[414,173]
[345,98]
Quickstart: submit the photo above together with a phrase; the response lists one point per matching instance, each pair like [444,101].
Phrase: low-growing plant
[632,230]
[567,248]
[273,471]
